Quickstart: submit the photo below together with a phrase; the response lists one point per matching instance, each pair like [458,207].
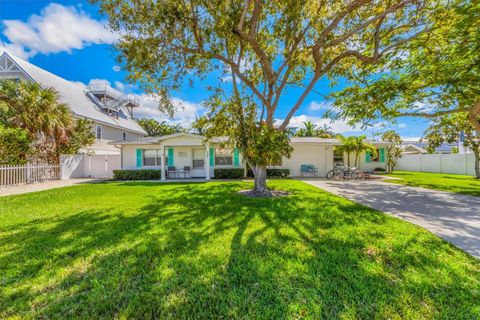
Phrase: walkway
[453,217]
[26,188]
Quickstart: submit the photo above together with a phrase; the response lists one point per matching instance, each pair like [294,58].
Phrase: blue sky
[69,38]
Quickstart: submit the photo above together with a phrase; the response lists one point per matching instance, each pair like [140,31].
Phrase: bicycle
[338,172]
[341,172]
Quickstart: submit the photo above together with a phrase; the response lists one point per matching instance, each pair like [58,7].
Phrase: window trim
[229,155]
[101,132]
[158,159]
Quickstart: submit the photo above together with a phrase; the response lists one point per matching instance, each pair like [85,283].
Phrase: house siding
[314,153]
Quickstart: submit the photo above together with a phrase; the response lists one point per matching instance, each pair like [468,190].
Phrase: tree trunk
[473,118]
[260,181]
[477,162]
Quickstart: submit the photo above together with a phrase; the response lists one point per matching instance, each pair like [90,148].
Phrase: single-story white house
[202,157]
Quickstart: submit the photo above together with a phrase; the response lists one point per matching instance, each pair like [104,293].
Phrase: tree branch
[432,115]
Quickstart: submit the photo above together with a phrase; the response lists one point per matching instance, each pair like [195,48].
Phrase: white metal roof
[74,96]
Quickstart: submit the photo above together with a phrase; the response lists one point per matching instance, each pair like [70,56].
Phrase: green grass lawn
[439,181]
[147,250]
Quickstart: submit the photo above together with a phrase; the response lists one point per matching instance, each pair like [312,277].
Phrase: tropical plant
[15,146]
[47,122]
[267,47]
[394,152]
[347,147]
[360,145]
[452,129]
[155,128]
[312,130]
[80,136]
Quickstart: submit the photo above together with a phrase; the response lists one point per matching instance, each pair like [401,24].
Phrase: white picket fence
[440,163]
[29,173]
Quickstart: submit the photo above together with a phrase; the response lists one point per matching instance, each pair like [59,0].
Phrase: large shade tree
[439,77]
[267,47]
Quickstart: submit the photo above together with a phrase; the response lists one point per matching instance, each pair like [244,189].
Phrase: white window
[151,157]
[124,135]
[98,132]
[198,158]
[337,156]
[223,157]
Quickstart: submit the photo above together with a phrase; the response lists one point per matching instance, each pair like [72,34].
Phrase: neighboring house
[184,149]
[110,111]
[412,147]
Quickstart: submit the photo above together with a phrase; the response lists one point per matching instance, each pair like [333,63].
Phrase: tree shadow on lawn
[197,251]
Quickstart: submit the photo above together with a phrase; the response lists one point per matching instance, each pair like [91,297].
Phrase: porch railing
[29,173]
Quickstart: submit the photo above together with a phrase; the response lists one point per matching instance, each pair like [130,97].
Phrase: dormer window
[98,132]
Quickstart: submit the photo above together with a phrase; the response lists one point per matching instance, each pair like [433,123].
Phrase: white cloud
[402,126]
[316,106]
[186,111]
[116,68]
[15,49]
[58,28]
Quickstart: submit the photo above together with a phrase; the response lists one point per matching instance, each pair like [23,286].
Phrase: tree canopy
[438,75]
[155,128]
[266,48]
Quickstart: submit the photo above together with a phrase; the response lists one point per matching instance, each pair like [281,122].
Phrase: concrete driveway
[453,217]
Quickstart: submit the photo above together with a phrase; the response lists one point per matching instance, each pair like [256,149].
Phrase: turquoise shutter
[171,161]
[367,156]
[139,158]
[236,160]
[381,155]
[212,157]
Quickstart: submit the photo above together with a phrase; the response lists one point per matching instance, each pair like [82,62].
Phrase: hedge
[136,174]
[229,173]
[272,173]
[238,173]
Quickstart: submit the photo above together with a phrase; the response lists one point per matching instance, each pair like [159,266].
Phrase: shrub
[272,173]
[229,173]
[136,174]
[379,170]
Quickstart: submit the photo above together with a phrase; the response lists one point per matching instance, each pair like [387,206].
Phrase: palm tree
[325,132]
[37,110]
[347,146]
[360,145]
[309,130]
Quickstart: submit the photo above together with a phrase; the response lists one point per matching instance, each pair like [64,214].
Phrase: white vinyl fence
[440,163]
[29,173]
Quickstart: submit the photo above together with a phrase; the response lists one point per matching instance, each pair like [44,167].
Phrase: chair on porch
[171,172]
[186,171]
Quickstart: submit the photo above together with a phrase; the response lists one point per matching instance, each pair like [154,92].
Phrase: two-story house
[110,111]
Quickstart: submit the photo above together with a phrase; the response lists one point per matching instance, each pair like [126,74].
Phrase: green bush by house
[229,173]
[136,174]
[272,173]
[238,173]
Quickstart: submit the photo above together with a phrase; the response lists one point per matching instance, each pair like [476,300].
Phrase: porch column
[162,162]
[206,163]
